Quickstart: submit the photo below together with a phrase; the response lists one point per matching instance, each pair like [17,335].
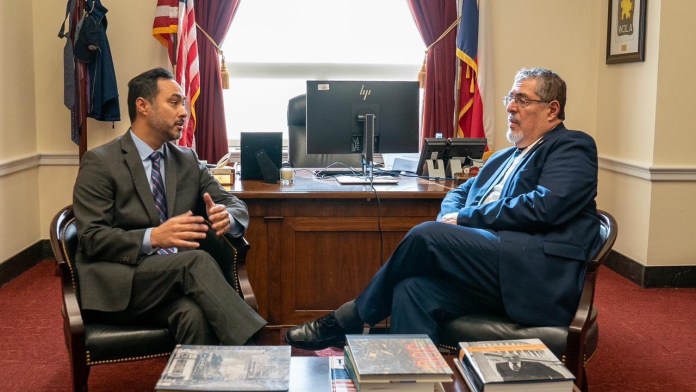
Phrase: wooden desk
[315,244]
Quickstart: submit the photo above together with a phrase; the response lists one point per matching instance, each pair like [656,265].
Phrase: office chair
[297,144]
[574,344]
[90,343]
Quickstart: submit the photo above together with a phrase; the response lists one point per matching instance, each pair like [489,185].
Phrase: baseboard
[652,277]
[24,260]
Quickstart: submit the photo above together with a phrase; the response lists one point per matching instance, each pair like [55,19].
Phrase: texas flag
[474,112]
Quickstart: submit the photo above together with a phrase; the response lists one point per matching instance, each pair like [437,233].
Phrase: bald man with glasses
[514,240]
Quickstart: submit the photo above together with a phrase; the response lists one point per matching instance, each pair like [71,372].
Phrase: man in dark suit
[513,240]
[140,203]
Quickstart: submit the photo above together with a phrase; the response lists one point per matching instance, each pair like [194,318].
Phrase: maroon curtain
[432,19]
[215,17]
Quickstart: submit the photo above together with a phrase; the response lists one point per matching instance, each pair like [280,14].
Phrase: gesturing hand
[217,214]
[181,231]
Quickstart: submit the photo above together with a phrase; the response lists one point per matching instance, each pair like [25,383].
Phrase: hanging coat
[92,46]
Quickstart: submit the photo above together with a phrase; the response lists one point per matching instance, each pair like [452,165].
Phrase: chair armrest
[575,346]
[241,247]
[73,324]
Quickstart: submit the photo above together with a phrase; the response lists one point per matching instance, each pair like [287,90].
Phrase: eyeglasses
[521,100]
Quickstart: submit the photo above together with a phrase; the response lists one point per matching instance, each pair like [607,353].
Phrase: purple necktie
[159,195]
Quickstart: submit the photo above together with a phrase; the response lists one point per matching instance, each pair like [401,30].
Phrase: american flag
[175,27]
[474,112]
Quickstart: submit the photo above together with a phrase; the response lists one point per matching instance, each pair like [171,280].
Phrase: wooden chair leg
[584,387]
[80,374]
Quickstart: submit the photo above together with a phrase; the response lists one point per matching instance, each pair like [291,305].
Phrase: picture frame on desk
[626,31]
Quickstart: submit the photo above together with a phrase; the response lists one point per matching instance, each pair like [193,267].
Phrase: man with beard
[140,203]
[514,240]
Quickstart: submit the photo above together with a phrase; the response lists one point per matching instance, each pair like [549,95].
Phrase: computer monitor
[261,154]
[297,142]
[340,111]
[465,149]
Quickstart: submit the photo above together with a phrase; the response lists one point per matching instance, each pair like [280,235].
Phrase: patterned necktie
[159,195]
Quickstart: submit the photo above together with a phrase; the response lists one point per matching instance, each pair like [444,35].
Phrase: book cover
[522,361]
[340,380]
[469,378]
[343,380]
[226,368]
[379,358]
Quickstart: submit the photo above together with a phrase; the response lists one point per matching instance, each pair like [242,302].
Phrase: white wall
[19,193]
[639,113]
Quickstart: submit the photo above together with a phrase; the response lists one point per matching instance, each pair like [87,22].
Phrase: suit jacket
[547,221]
[114,206]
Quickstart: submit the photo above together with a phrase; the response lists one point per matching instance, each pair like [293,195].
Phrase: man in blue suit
[513,240]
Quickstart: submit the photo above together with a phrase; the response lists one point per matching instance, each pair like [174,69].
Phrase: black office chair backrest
[297,147]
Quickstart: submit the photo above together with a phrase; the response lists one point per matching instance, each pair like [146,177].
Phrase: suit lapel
[140,182]
[483,190]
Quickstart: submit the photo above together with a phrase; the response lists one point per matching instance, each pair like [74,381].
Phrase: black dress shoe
[318,334]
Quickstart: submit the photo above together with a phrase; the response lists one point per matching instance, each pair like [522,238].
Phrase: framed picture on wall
[626,31]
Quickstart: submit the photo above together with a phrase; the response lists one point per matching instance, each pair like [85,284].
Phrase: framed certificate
[626,31]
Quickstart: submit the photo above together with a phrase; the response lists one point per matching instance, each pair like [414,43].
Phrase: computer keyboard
[359,180]
[336,171]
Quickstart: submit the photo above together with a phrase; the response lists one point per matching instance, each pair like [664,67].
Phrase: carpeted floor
[647,340]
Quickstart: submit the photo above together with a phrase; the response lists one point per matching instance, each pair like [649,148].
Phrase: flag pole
[457,95]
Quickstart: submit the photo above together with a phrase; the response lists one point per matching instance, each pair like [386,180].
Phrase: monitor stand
[368,164]
[434,168]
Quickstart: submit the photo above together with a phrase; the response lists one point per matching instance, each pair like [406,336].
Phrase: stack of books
[409,363]
[512,365]
[226,368]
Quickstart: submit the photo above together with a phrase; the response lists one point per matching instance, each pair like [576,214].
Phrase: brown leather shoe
[318,334]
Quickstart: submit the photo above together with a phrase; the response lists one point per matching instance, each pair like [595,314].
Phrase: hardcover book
[342,381]
[226,368]
[512,365]
[395,358]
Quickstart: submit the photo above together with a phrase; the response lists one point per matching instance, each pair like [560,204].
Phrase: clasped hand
[185,230]
[450,218]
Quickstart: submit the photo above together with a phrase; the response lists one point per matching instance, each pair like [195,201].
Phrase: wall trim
[660,173]
[60,159]
[24,260]
[683,276]
[18,164]
[31,161]
[621,166]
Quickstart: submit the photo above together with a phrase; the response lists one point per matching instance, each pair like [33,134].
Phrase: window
[273,47]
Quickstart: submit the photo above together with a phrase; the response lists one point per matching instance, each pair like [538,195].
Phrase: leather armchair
[573,344]
[90,343]
[297,134]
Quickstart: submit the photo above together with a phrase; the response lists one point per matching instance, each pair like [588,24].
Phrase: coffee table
[309,374]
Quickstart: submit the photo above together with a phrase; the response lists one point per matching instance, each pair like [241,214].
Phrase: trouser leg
[196,275]
[461,256]
[186,321]
[421,303]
